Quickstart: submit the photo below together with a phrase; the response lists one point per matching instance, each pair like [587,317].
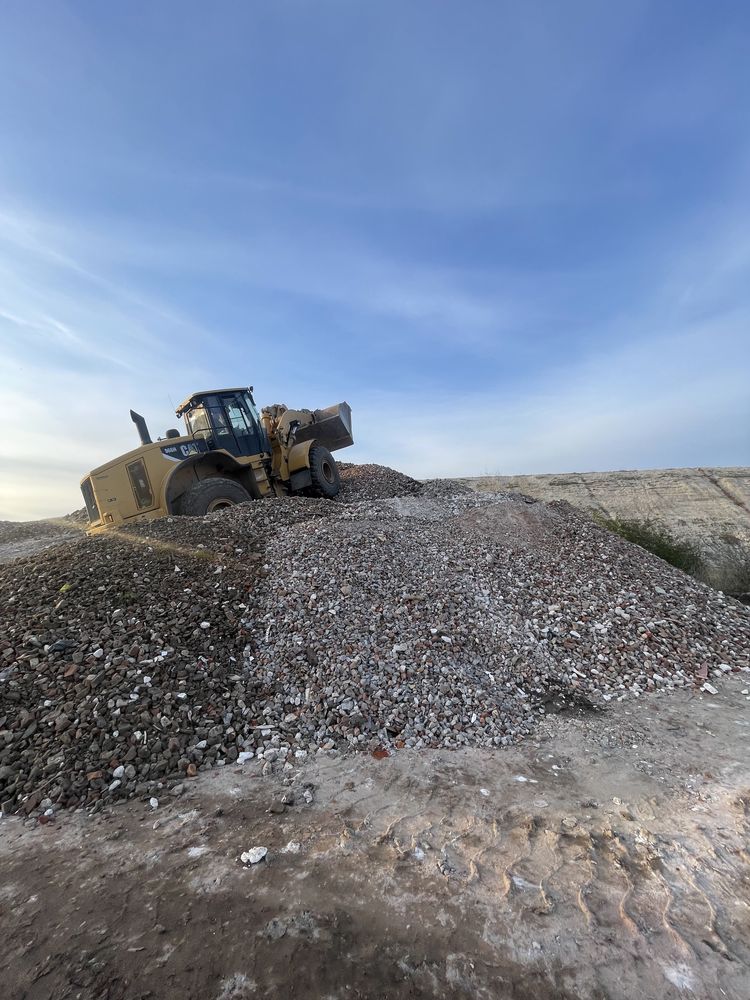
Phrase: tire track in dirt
[421,875]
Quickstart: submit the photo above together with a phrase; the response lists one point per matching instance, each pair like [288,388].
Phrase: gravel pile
[374,482]
[21,531]
[79,517]
[24,538]
[443,488]
[430,617]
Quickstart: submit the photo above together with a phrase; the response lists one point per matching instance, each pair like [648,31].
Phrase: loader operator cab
[227,419]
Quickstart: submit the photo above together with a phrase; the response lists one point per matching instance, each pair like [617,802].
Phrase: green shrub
[658,540]
[730,570]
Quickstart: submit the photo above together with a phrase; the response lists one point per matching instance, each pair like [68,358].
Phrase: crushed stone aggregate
[403,614]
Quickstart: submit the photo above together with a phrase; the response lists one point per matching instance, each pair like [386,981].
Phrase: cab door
[246,438]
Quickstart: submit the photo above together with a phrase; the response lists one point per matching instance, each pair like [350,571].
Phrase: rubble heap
[374,482]
[21,531]
[129,661]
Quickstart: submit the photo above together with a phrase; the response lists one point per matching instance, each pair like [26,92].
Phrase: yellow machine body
[229,454]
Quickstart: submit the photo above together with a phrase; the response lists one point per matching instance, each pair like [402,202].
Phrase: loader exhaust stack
[140,423]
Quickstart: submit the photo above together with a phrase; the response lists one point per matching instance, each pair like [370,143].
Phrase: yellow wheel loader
[229,454]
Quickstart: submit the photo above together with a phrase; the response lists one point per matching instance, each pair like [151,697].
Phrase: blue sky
[514,236]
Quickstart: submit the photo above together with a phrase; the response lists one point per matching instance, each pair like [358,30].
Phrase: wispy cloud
[513,241]
[671,392]
[342,271]
[678,401]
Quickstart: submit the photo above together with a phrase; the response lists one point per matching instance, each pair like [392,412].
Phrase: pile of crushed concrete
[20,538]
[408,615]
[374,482]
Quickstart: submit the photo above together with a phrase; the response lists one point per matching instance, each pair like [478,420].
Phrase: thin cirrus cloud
[512,241]
[675,393]
[683,395]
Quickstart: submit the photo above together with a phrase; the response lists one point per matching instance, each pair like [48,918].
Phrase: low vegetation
[654,538]
[728,570]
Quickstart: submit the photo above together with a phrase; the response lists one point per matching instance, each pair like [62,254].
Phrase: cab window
[237,418]
[197,420]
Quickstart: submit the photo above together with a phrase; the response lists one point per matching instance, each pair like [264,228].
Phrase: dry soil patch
[607,858]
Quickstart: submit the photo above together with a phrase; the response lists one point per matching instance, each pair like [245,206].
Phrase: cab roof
[197,396]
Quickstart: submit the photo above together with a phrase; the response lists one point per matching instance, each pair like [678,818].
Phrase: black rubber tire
[324,473]
[209,495]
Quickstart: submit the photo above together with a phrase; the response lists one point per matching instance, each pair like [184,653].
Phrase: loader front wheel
[324,473]
[209,495]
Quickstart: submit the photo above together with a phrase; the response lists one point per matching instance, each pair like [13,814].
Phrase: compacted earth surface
[415,742]
[605,857]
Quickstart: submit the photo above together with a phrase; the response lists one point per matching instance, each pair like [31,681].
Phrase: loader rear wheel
[209,495]
[324,473]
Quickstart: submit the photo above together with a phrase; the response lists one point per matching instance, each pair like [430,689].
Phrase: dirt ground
[608,858]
